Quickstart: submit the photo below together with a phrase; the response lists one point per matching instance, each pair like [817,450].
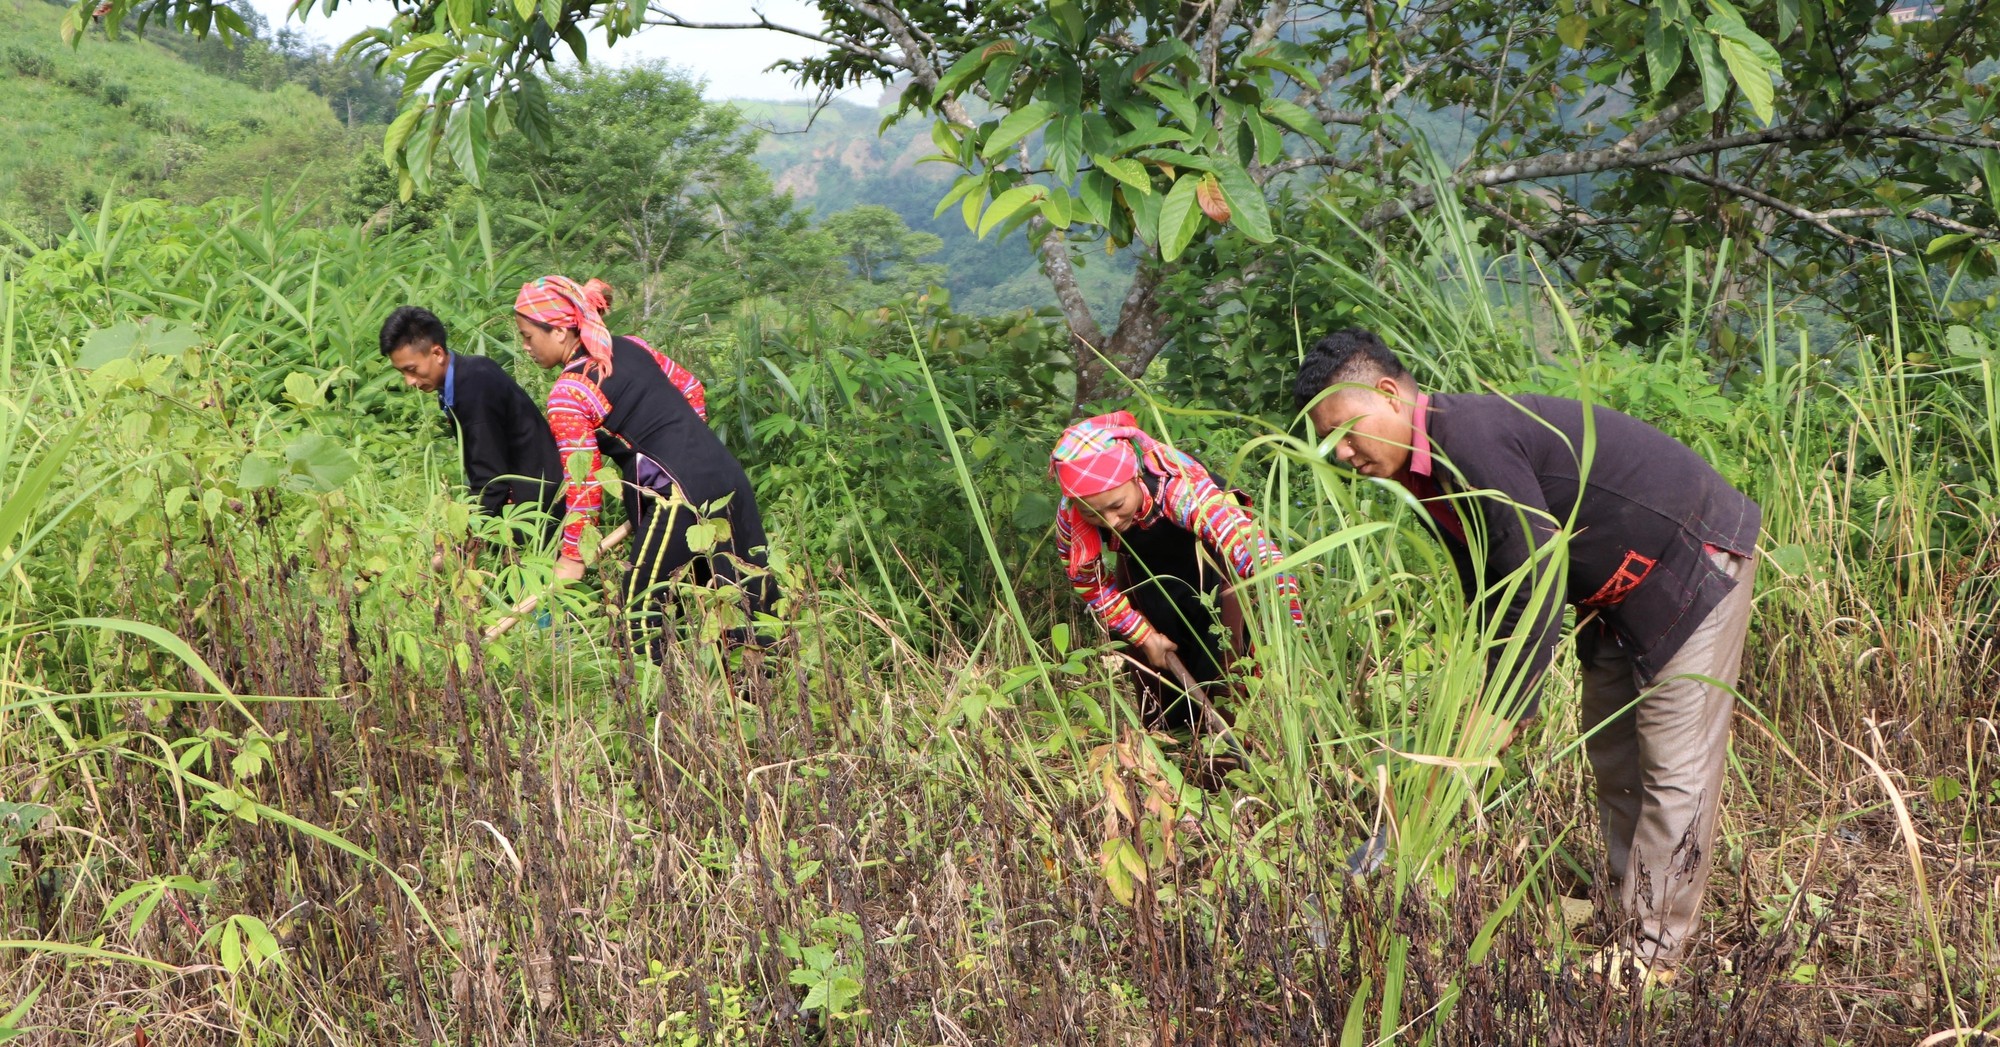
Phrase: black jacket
[653,436]
[1638,505]
[510,458]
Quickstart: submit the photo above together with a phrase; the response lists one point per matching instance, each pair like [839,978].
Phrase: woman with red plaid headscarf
[1170,523]
[617,398]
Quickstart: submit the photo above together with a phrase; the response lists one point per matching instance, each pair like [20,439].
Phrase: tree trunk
[1099,361]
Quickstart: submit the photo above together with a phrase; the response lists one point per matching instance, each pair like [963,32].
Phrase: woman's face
[547,346]
[1117,508]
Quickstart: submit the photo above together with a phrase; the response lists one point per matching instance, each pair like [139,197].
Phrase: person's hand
[568,570]
[1156,648]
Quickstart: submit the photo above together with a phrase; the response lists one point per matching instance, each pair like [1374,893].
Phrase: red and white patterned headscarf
[1092,457]
[556,301]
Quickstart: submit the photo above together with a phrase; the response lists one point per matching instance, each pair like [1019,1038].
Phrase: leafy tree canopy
[1627,140]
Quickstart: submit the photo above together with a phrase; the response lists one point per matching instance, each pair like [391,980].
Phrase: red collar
[1420,437]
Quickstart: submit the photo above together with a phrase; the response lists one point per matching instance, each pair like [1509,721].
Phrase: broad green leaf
[1788,19]
[1167,53]
[423,42]
[1270,140]
[1180,216]
[1572,30]
[1286,58]
[531,113]
[1751,74]
[573,36]
[231,948]
[1004,206]
[1151,134]
[398,134]
[1015,126]
[322,459]
[465,136]
[1664,49]
[1094,194]
[1298,118]
[1247,207]
[1964,342]
[148,337]
[257,472]
[1176,102]
[1125,169]
[1057,207]
[1145,208]
[1064,147]
[1944,243]
[963,71]
[1714,77]
[966,183]
[1734,29]
[302,390]
[1000,74]
[1180,158]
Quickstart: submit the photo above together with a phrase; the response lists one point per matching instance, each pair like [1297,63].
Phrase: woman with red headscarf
[597,294]
[1169,522]
[677,473]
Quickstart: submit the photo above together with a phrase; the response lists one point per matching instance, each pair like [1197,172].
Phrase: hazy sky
[732,62]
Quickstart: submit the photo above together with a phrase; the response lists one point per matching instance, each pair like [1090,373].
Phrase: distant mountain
[832,158]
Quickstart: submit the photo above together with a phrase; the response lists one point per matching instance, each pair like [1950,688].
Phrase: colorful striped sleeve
[576,408]
[1192,500]
[1094,586]
[683,379]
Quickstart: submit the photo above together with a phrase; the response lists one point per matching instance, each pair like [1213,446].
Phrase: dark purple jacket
[1639,507]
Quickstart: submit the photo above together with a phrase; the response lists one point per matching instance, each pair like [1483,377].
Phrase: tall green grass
[931,818]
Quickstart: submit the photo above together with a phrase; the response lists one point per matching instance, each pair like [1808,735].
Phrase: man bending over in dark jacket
[1660,553]
[510,458]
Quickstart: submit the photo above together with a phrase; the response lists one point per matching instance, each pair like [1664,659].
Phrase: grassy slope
[129,113]
[905,818]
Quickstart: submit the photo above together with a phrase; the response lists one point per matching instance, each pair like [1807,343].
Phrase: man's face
[422,365]
[1117,508]
[547,346]
[1377,423]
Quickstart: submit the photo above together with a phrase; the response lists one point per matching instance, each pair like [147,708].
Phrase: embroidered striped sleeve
[576,408]
[683,379]
[1192,500]
[1094,586]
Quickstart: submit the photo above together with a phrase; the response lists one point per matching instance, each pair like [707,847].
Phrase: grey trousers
[1660,763]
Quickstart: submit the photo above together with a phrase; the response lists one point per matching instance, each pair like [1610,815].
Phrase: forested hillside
[141,115]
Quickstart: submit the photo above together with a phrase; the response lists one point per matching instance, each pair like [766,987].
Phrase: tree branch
[1612,158]
[1758,196]
[1267,29]
[662,17]
[1211,41]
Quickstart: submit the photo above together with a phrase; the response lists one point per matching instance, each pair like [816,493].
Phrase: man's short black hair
[412,325]
[1350,355]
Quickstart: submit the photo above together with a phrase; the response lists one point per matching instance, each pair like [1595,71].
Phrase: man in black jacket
[1543,501]
[510,457]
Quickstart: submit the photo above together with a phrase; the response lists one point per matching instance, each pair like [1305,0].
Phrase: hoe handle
[522,609]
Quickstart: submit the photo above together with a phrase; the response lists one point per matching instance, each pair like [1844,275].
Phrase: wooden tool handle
[522,609]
